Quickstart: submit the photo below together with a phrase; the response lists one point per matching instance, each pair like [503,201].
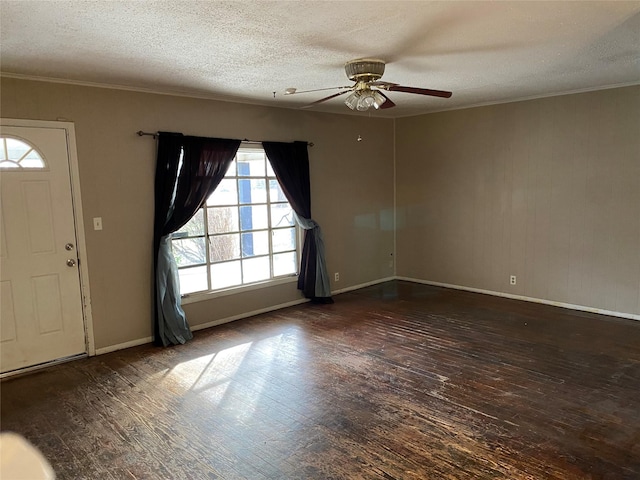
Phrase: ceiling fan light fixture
[378,99]
[365,101]
[352,100]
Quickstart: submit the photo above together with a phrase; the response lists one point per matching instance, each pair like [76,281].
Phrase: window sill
[202,296]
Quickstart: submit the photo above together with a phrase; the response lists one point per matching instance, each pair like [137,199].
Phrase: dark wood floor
[396,381]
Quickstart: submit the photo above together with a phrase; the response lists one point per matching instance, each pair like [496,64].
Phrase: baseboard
[214,323]
[202,326]
[571,306]
[122,346]
[362,285]
[142,341]
[240,316]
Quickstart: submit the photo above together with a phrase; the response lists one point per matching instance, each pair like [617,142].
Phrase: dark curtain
[290,162]
[188,170]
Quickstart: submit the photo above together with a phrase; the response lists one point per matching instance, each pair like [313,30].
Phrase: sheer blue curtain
[290,163]
[188,170]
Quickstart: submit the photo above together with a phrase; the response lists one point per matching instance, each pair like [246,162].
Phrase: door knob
[71,262]
[68,246]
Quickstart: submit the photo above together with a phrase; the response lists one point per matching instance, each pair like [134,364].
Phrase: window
[245,234]
[16,154]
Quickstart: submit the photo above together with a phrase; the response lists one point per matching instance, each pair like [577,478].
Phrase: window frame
[210,292]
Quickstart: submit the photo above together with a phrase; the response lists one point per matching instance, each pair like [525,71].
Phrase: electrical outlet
[336,276]
[512,279]
[97,223]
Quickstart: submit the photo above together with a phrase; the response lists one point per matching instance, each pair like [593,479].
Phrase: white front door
[41,315]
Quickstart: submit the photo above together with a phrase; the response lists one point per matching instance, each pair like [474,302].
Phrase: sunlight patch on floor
[210,371]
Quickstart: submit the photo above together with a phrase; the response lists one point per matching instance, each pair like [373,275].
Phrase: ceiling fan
[367,92]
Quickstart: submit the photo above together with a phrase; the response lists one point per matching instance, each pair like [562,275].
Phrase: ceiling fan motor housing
[364,69]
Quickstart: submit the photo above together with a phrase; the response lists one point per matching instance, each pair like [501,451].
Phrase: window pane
[252,190]
[231,171]
[281,215]
[29,162]
[255,269]
[16,149]
[193,279]
[284,239]
[253,217]
[224,247]
[189,251]
[285,264]
[33,156]
[223,219]
[193,228]
[270,172]
[225,194]
[275,192]
[255,243]
[250,163]
[226,274]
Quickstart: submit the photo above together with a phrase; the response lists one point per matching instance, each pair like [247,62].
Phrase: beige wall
[547,190]
[351,190]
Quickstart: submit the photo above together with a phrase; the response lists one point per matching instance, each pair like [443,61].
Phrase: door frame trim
[83,267]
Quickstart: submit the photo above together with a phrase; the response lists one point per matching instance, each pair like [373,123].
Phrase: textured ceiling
[484,52]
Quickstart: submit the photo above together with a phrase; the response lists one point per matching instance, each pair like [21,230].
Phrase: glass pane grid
[16,154]
[205,222]
[242,245]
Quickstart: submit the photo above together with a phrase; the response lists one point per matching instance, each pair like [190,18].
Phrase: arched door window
[18,154]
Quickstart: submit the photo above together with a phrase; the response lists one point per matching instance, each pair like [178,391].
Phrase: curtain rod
[155,135]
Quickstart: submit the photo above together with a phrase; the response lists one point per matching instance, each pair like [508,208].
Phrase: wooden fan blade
[388,103]
[420,91]
[295,91]
[326,98]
